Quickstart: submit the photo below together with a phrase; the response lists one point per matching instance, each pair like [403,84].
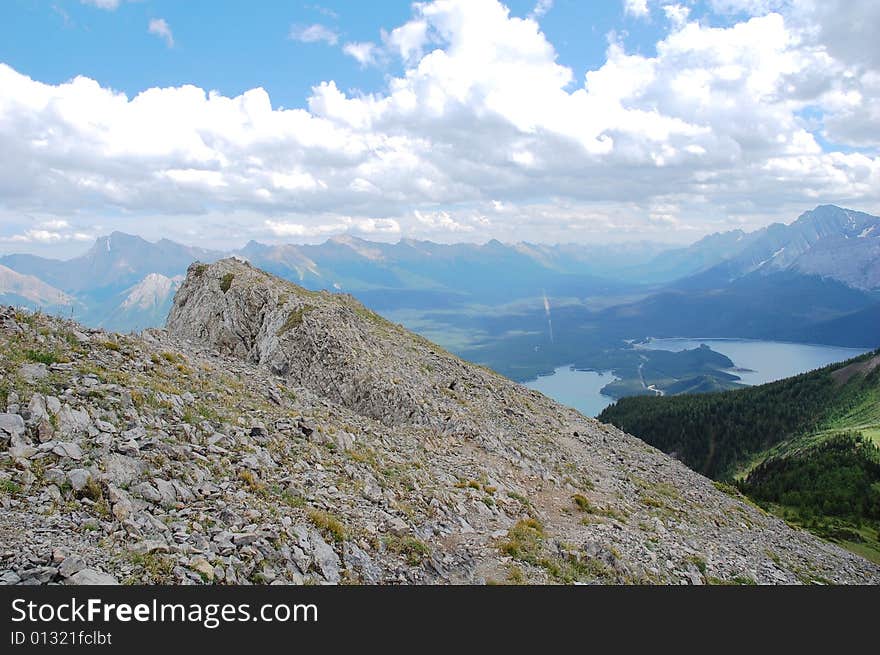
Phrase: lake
[766,360]
[578,389]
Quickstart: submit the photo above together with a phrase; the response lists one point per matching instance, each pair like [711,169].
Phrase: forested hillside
[805,447]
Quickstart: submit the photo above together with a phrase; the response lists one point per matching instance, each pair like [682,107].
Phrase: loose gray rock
[11,426]
[68,449]
[91,577]
[71,566]
[326,559]
[33,372]
[78,478]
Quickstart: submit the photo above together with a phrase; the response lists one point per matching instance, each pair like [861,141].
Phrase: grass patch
[515,575]
[735,580]
[584,505]
[92,491]
[10,487]
[415,550]
[252,481]
[330,526]
[699,562]
[226,282]
[524,541]
[293,500]
[295,319]
[41,357]
[159,569]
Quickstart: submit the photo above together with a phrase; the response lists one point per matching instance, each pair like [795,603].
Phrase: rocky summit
[273,435]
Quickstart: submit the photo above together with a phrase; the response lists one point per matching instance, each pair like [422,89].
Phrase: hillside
[805,446]
[272,434]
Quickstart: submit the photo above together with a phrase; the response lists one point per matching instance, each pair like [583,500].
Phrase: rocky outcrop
[329,343]
[276,436]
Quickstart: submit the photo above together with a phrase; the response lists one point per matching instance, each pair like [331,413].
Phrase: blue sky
[558,120]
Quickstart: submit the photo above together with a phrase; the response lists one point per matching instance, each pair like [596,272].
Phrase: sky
[216,122]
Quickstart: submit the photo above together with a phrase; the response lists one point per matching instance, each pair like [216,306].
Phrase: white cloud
[344,224]
[55,224]
[365,52]
[441,221]
[408,40]
[677,14]
[47,235]
[161,28]
[315,33]
[718,125]
[103,4]
[541,8]
[637,8]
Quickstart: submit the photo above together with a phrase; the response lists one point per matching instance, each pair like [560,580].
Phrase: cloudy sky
[553,121]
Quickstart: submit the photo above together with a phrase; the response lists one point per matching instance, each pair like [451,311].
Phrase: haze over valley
[525,310]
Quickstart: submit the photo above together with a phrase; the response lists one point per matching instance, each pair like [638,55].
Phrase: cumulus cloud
[484,133]
[364,52]
[408,40]
[315,33]
[677,14]
[637,8]
[161,28]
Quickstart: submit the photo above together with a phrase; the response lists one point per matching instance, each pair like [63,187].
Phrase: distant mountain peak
[154,290]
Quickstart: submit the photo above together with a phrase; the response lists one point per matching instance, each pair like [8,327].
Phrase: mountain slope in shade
[16,288]
[114,262]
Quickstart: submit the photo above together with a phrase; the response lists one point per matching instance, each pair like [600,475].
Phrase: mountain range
[522,308]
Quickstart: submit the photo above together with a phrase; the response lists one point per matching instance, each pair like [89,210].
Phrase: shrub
[295,319]
[226,282]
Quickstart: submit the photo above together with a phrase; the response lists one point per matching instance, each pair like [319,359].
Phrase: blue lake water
[578,389]
[766,361]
